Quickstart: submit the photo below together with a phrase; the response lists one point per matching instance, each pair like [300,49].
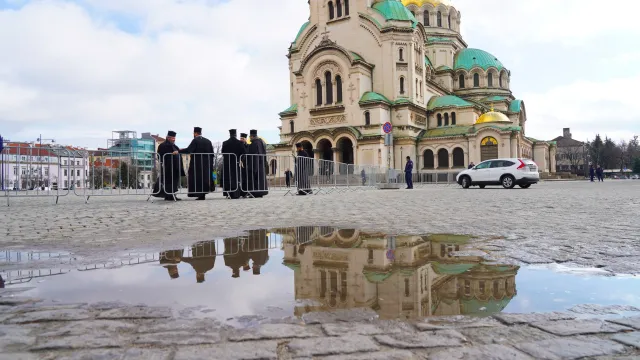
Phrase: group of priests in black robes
[244,166]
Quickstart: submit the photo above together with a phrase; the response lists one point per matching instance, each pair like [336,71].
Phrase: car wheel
[481,186]
[465,182]
[508,182]
[525,186]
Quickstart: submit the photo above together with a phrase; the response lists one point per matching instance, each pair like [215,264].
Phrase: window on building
[439,119]
[328,83]
[439,19]
[318,92]
[78,172]
[453,118]
[367,118]
[500,80]
[401,54]
[446,119]
[401,85]
[78,162]
[65,172]
[490,79]
[426,18]
[346,7]
[331,14]
[66,183]
[420,88]
[78,183]
[476,80]
[449,21]
[15,170]
[338,89]
[339,8]
[406,288]
[291,127]
[417,88]
[461,81]
[46,172]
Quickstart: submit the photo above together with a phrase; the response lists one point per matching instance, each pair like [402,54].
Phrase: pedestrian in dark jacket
[592,172]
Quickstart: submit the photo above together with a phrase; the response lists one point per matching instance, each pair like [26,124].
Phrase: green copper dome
[469,58]
[394,10]
[447,101]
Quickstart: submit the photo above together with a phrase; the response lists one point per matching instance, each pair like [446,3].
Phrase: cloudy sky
[76,70]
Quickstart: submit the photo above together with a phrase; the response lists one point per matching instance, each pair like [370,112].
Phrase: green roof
[443,68]
[447,101]
[293,109]
[427,62]
[304,26]
[394,10]
[515,106]
[494,98]
[477,307]
[356,56]
[372,19]
[292,266]
[459,130]
[372,97]
[451,269]
[376,276]
[438,39]
[469,58]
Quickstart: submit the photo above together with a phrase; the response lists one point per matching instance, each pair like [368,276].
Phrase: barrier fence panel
[281,173]
[253,175]
[196,174]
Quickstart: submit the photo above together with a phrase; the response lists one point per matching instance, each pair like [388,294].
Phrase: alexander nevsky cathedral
[357,64]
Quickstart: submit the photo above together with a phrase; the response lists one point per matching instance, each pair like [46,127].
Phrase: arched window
[339,8]
[439,120]
[400,55]
[490,79]
[453,118]
[420,88]
[346,7]
[500,80]
[338,89]
[476,80]
[331,15]
[417,88]
[291,127]
[318,92]
[426,18]
[443,159]
[329,87]
[461,81]
[446,119]
[449,21]
[367,118]
[439,19]
[488,148]
[401,85]
[428,159]
[458,158]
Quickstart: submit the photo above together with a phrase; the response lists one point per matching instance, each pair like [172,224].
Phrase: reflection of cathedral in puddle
[246,252]
[399,277]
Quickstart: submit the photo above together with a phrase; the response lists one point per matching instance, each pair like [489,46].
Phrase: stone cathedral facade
[357,64]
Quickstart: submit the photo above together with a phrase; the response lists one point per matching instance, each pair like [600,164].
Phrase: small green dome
[447,101]
[394,10]
[469,58]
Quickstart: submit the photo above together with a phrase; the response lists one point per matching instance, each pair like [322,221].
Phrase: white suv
[505,172]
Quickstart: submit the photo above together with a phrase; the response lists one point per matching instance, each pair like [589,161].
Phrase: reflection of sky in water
[544,290]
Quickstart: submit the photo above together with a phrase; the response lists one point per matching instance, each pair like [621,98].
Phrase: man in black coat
[200,165]
[244,178]
[232,150]
[304,167]
[256,166]
[171,169]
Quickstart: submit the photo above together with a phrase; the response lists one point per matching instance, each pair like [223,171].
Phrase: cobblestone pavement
[577,223]
[106,331]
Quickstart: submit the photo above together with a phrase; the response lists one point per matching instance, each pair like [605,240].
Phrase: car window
[496,163]
[483,165]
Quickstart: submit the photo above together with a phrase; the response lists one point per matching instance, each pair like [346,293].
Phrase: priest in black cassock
[258,249]
[256,166]
[200,165]
[232,150]
[304,166]
[235,255]
[170,260]
[244,178]
[171,169]
[203,258]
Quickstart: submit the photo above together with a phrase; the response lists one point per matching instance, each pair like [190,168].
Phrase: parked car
[505,172]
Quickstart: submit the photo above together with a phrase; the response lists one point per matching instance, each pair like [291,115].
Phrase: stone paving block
[102,354]
[511,319]
[426,339]
[5,317]
[86,327]
[458,322]
[578,327]
[194,325]
[51,315]
[275,331]
[351,315]
[571,348]
[13,301]
[136,312]
[339,329]
[379,355]
[594,309]
[631,339]
[177,338]
[483,352]
[87,341]
[331,346]
[506,335]
[262,350]
[18,356]
[633,322]
[42,307]
[14,338]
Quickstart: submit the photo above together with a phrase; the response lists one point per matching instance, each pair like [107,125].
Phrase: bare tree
[574,155]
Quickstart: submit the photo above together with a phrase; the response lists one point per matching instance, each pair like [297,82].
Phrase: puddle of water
[292,271]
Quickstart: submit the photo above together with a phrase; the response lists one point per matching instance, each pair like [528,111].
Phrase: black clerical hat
[233,132]
[171,133]
[253,132]
[243,135]
[299,145]
[197,130]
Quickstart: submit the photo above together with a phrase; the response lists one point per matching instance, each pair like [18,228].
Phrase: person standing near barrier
[171,169]
[408,173]
[287,177]
[232,149]
[256,166]
[203,258]
[244,180]
[304,166]
[170,259]
[200,165]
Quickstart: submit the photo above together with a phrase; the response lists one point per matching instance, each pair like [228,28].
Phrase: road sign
[391,254]
[1,143]
[388,139]
[387,127]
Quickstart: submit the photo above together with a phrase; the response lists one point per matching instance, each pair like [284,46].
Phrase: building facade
[358,64]
[571,154]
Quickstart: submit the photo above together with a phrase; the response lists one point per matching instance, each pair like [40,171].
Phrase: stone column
[355,155]
[450,160]
[435,160]
[336,158]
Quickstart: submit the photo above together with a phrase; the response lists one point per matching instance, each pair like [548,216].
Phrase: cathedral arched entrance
[325,156]
[345,150]
[488,148]
[308,147]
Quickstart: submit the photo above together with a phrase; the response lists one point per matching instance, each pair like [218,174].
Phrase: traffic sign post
[387,127]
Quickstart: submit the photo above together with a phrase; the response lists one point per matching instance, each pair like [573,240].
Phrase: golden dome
[420,3]
[491,117]
[263,140]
